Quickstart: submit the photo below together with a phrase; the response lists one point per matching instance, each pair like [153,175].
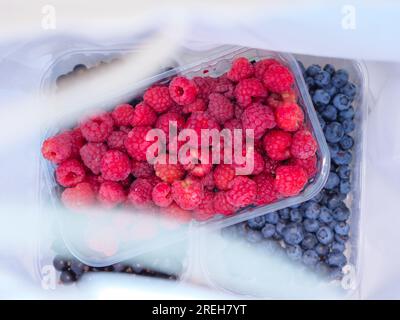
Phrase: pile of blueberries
[316,232]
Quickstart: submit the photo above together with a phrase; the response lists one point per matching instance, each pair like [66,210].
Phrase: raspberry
[161,194]
[94,181]
[198,121]
[200,163]
[198,105]
[224,86]
[278,78]
[221,204]
[115,165]
[238,111]
[261,66]
[223,175]
[140,193]
[247,90]
[158,98]
[97,128]
[78,197]
[141,169]
[125,129]
[77,141]
[205,86]
[208,181]
[116,140]
[123,114]
[169,172]
[265,189]
[187,193]
[205,210]
[176,108]
[70,172]
[289,116]
[183,91]
[91,155]
[165,120]
[277,144]
[220,107]
[270,166]
[242,191]
[136,144]
[290,180]
[57,148]
[303,145]
[309,164]
[241,69]
[111,194]
[258,118]
[258,160]
[143,116]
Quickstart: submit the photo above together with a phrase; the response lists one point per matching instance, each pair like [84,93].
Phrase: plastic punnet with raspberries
[204,146]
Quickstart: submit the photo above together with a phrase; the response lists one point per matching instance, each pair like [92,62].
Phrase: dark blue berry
[331,89]
[329,113]
[309,241]
[67,277]
[336,259]
[337,246]
[61,263]
[78,268]
[284,213]
[309,82]
[325,216]
[279,227]
[272,217]
[333,181]
[310,258]
[329,68]
[334,201]
[256,223]
[348,125]
[350,90]
[312,210]
[254,236]
[341,102]
[344,186]
[325,235]
[344,172]
[313,70]
[293,233]
[340,78]
[321,97]
[322,79]
[332,224]
[346,114]
[294,252]
[268,230]
[295,215]
[341,213]
[318,197]
[335,273]
[311,225]
[334,132]
[321,249]
[342,228]
[119,267]
[342,157]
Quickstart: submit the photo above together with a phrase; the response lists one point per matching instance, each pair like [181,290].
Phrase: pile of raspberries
[102,161]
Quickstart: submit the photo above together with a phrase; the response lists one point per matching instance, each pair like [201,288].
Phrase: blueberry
[340,78]
[341,213]
[322,78]
[331,89]
[309,241]
[344,172]
[309,82]
[279,227]
[312,210]
[350,90]
[335,273]
[67,277]
[329,68]
[318,197]
[254,236]
[268,230]
[348,125]
[329,113]
[78,268]
[321,249]
[333,148]
[311,225]
[321,121]
[333,181]
[256,223]
[293,233]
[272,217]
[336,259]
[284,213]
[342,157]
[341,102]
[61,263]
[334,132]
[346,114]
[313,70]
[342,228]
[325,235]
[332,224]
[334,201]
[295,215]
[325,215]
[321,97]
[341,239]
[310,258]
[338,246]
[119,267]
[294,252]
[345,186]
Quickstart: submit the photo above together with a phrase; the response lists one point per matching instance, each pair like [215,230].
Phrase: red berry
[224,86]
[208,181]
[261,66]
[248,91]
[289,116]
[221,204]
[143,116]
[187,193]
[94,181]
[223,175]
[198,105]
[183,91]
[70,172]
[198,121]
[115,165]
[136,144]
[141,169]
[111,194]
[265,189]
[57,148]
[77,141]
[161,194]
[309,164]
[258,118]
[205,210]
[158,98]
[123,114]
[78,197]
[241,69]
[169,172]
[220,108]
[140,193]
[97,128]
[303,144]
[290,180]
[205,86]
[198,163]
[91,155]
[242,191]
[278,78]
[277,144]
[116,140]
[168,119]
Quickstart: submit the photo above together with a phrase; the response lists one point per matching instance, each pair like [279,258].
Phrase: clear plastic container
[215,64]
[219,271]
